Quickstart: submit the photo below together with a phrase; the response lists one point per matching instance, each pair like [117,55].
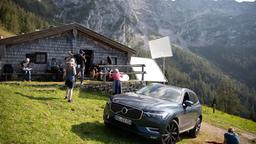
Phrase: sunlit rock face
[187,22]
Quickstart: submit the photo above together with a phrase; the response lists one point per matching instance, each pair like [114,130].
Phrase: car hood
[143,102]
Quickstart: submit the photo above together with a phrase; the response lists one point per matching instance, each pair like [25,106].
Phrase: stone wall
[57,47]
[106,87]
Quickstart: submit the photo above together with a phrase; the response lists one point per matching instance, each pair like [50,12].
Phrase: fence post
[142,67]
[105,74]
[213,108]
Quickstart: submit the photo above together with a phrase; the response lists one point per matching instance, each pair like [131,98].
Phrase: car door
[187,116]
[194,108]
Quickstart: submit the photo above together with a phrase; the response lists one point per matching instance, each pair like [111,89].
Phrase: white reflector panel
[160,48]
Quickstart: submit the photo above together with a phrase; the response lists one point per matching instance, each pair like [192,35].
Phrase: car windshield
[162,92]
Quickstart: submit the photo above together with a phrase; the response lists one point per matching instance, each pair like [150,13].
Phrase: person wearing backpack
[69,77]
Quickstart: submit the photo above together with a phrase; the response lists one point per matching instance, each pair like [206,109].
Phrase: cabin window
[41,58]
[193,97]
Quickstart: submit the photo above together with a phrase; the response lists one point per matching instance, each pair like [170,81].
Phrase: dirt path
[212,133]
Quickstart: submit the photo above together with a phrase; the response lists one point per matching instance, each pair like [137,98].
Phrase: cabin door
[89,60]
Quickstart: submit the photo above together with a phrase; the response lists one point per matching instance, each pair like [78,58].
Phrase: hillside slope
[18,20]
[43,8]
[32,114]
[5,33]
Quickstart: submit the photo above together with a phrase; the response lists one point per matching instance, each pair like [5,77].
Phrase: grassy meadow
[39,114]
[224,120]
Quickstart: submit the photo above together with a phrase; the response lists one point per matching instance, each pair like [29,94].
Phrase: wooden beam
[135,65]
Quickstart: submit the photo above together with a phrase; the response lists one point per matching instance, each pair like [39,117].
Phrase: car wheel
[195,131]
[171,133]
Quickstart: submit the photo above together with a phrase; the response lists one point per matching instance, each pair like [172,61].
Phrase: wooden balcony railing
[127,71]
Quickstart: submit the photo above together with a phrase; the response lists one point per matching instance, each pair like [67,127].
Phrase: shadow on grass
[35,98]
[98,132]
[97,95]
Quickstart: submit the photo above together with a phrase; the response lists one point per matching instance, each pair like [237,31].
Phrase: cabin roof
[65,28]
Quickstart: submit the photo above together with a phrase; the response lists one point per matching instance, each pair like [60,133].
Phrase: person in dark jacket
[80,61]
[26,68]
[231,137]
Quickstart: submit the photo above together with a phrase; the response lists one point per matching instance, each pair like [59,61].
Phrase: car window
[147,89]
[193,97]
[186,97]
[162,92]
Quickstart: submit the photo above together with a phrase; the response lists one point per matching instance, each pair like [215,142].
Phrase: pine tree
[17,20]
[227,99]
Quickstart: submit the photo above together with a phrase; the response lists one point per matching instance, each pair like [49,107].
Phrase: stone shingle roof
[65,28]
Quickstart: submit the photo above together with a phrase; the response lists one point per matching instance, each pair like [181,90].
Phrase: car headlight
[156,114]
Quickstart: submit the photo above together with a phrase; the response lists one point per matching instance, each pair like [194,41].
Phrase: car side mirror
[187,103]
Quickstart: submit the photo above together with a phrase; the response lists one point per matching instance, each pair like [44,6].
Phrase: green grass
[41,115]
[32,114]
[224,120]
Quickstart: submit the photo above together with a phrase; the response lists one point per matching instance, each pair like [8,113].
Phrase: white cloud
[245,0]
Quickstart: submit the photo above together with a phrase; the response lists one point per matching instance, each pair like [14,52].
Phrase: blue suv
[156,111]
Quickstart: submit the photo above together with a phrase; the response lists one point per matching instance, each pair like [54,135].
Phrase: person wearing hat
[80,61]
[231,137]
[69,76]
[117,86]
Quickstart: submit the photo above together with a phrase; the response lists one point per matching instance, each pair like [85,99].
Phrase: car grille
[126,111]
